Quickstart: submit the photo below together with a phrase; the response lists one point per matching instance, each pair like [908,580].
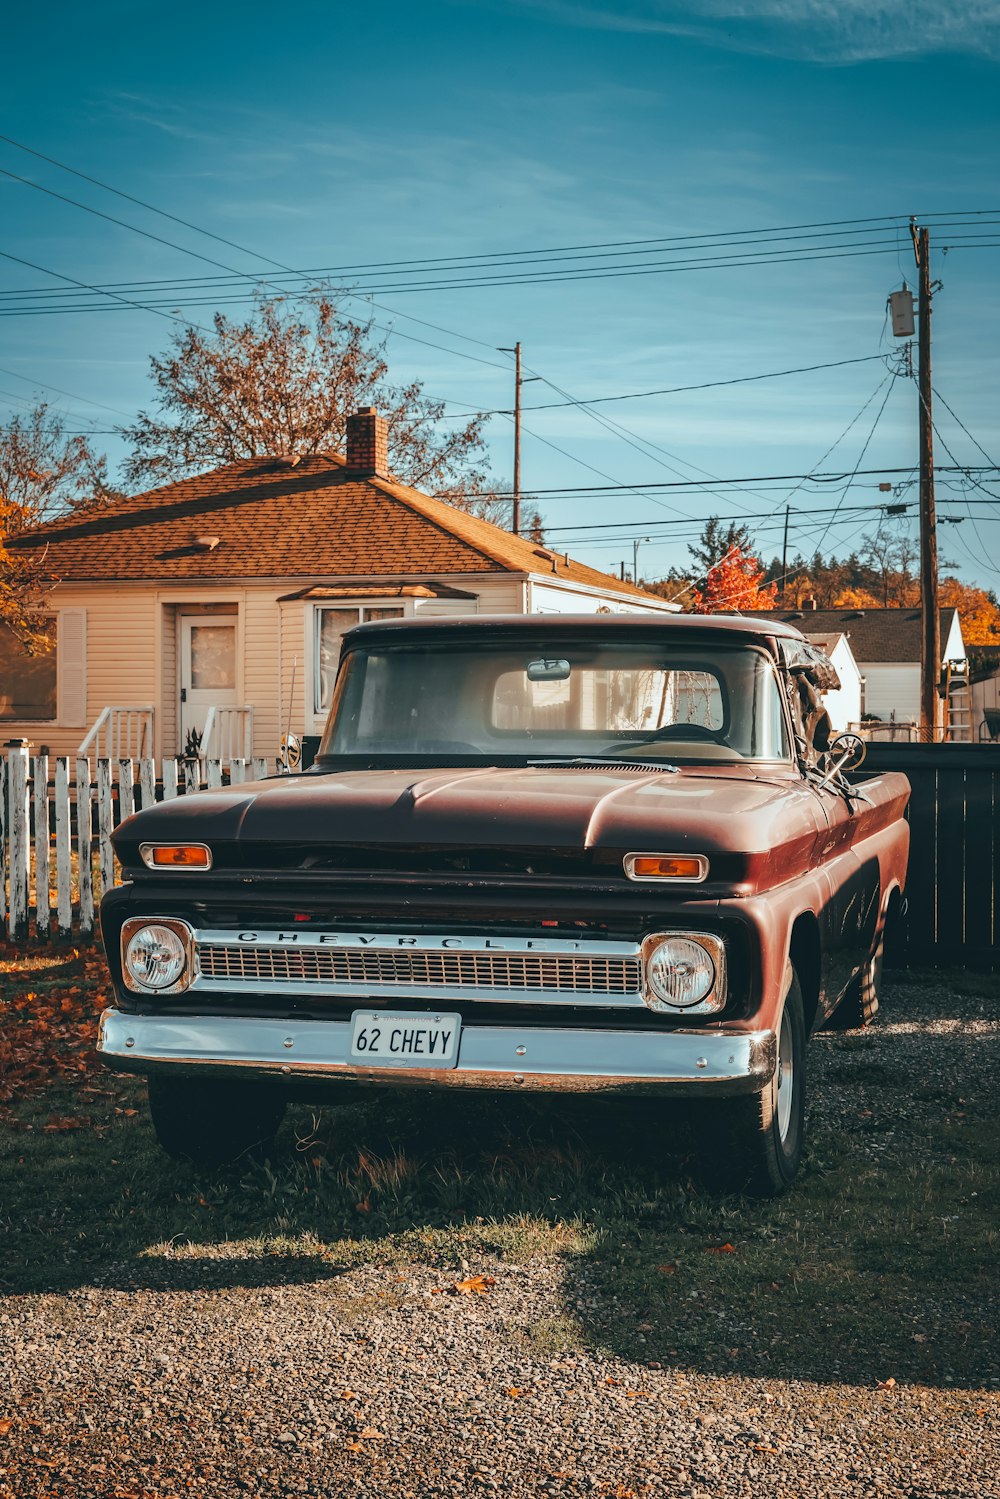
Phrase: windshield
[557,699]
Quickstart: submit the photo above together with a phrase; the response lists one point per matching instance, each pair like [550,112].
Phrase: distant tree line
[881,573]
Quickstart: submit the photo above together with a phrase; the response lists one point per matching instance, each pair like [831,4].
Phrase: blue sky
[338,135]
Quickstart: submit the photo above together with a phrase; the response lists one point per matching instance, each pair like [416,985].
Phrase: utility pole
[930,633]
[636,543]
[516,518]
[784,555]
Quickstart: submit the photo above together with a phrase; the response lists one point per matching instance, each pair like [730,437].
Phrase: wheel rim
[786,1076]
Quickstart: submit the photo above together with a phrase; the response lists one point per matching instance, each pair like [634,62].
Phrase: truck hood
[701,809]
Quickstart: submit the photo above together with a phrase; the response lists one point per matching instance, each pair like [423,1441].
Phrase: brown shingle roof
[274,521]
[874,634]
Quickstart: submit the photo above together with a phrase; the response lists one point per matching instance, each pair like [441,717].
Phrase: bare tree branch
[285,381]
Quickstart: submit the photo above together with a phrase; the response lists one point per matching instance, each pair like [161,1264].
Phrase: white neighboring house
[215,606]
[886,646]
[844,706]
[984,692]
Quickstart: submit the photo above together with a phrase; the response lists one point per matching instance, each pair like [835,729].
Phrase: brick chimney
[367,444]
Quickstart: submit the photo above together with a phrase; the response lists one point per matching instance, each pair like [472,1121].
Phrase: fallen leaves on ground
[474,1285]
[48,1025]
[720,1249]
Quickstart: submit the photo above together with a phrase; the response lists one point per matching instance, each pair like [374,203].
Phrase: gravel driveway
[210,1378]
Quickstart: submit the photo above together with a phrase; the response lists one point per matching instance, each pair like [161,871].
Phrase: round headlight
[679,973]
[155,957]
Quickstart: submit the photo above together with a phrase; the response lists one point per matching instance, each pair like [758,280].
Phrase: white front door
[207,669]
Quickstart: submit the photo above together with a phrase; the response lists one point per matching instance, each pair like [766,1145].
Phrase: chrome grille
[526,973]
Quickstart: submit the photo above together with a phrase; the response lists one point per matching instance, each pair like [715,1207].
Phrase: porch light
[176,855]
[686,867]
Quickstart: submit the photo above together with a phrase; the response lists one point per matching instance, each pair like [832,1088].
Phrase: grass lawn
[882,1262]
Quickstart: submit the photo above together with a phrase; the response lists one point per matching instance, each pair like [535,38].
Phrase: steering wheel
[448,747]
[685,731]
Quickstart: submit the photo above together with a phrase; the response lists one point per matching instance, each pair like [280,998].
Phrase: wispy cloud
[830,31]
[156,114]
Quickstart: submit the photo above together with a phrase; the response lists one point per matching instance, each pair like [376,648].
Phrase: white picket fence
[52,863]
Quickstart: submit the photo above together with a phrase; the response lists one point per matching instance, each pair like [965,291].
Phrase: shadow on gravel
[881,1263]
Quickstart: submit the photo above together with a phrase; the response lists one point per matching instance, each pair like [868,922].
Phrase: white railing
[56,821]
[120,731]
[227,735]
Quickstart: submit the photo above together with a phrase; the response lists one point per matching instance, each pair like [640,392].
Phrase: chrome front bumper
[498,1057]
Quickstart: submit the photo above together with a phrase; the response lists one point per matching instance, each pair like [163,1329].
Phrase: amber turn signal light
[666,866]
[176,855]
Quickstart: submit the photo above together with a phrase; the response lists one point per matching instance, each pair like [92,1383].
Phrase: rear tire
[760,1144]
[212,1122]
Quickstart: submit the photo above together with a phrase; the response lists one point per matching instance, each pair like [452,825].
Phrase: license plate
[404,1039]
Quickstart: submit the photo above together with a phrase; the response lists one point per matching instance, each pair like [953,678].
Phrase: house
[844,705]
[216,606]
[886,646]
[984,691]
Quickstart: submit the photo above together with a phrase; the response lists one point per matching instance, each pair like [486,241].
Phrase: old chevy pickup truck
[608,853]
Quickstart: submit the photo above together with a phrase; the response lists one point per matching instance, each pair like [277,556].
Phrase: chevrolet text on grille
[362,939]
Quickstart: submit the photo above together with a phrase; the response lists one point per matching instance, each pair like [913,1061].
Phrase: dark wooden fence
[952,918]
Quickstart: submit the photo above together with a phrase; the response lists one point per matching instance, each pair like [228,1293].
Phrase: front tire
[761,1147]
[213,1122]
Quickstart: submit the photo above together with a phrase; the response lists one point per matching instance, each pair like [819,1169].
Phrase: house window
[27,683]
[332,623]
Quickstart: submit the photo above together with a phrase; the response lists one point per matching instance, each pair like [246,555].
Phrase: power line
[673,390]
[836,477]
[494,281]
[67,393]
[639,490]
[126,301]
[495,275]
[854,475]
[110,219]
[260,280]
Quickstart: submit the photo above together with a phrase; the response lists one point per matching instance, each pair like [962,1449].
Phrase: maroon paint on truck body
[803,872]
[779,824]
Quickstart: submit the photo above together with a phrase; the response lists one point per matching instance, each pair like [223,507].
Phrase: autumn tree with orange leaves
[735,585]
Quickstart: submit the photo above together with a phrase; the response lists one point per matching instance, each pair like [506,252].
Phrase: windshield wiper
[611,760]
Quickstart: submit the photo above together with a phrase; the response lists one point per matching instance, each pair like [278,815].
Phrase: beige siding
[445,608]
[132,646]
[261,651]
[550,597]
[500,593]
[167,728]
[891,691]
[121,659]
[295,673]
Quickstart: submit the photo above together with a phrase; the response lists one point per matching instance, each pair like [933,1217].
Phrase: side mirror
[848,750]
